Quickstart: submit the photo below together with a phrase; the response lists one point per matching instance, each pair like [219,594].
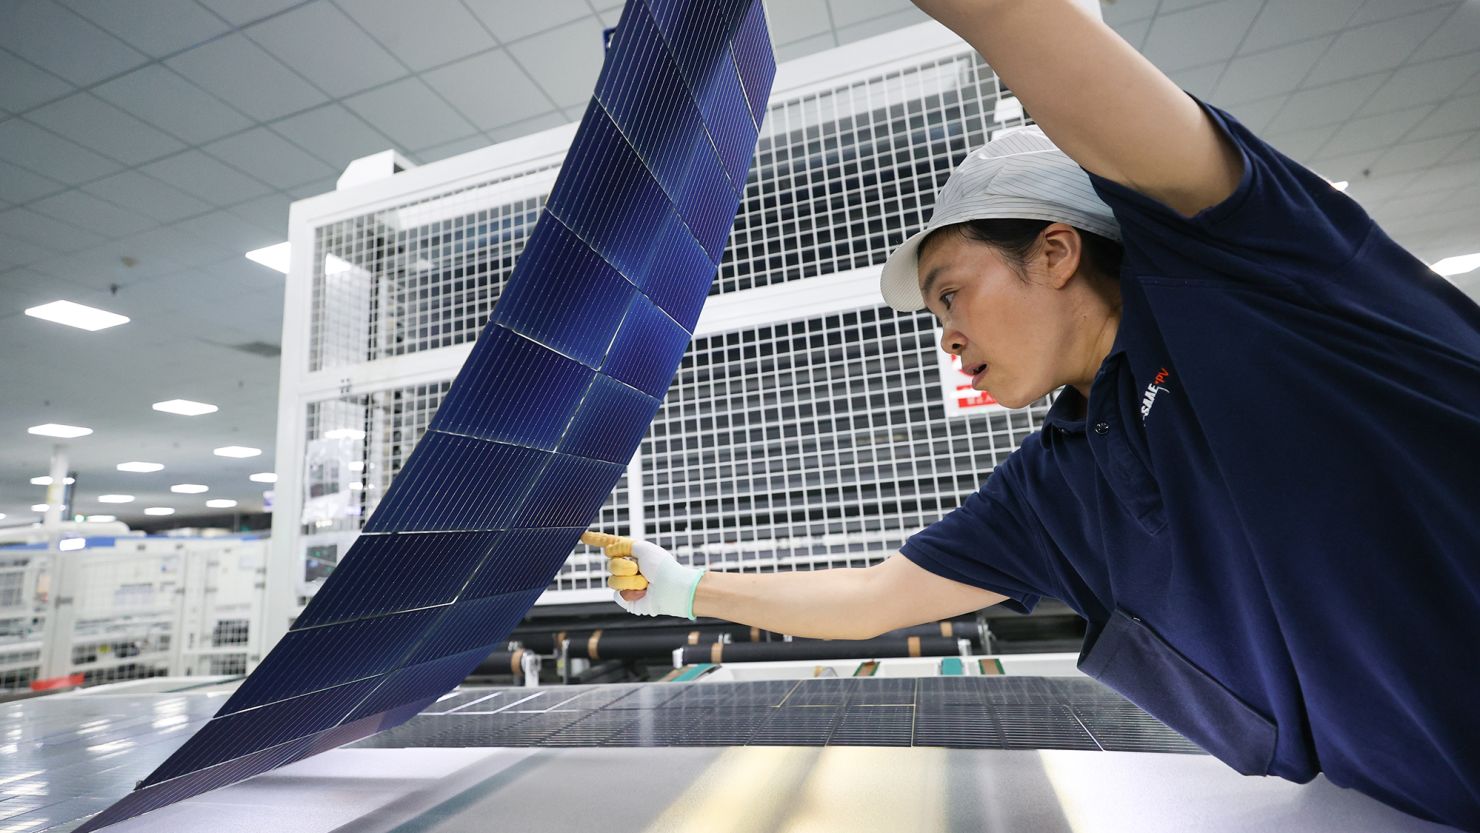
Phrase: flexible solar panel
[539,425]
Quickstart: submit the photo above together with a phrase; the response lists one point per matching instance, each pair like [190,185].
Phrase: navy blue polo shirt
[1270,513]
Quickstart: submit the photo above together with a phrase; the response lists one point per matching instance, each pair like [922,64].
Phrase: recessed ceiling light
[356,465]
[77,315]
[1341,186]
[71,544]
[237,451]
[275,257]
[220,503]
[1457,265]
[100,519]
[140,467]
[115,498]
[356,486]
[189,488]
[2,516]
[159,510]
[45,480]
[185,407]
[263,477]
[344,434]
[66,432]
[39,507]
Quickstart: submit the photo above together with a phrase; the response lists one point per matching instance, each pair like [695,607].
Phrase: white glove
[670,585]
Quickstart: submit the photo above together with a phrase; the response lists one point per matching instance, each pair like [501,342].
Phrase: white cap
[1020,174]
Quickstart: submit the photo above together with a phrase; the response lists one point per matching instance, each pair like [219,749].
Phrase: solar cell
[540,423]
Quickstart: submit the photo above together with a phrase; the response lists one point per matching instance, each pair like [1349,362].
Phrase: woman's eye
[945,299]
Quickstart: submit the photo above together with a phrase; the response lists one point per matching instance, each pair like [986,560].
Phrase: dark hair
[1016,239]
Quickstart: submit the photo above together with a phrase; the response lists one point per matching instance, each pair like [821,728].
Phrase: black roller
[811,649]
[501,663]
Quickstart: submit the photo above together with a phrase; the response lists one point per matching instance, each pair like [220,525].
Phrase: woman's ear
[1061,248]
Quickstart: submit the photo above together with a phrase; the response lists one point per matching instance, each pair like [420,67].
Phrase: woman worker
[1260,484]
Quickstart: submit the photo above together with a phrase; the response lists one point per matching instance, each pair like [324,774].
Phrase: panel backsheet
[538,427]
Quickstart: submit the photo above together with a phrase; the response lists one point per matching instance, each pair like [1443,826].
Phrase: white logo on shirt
[1149,398]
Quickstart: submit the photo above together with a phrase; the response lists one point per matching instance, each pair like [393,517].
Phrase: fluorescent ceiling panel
[77,315]
[185,407]
[540,423]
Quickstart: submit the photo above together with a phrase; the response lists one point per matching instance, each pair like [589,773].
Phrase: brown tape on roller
[945,628]
[755,634]
[516,660]
[914,643]
[591,644]
[716,651]
[693,637]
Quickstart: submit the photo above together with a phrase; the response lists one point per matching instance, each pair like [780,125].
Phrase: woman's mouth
[977,373]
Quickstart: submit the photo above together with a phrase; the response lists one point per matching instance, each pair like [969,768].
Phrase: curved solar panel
[539,425]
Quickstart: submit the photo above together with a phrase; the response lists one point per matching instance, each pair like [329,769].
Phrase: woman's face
[1009,332]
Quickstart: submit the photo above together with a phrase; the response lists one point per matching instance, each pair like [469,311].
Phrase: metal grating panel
[959,712]
[650,189]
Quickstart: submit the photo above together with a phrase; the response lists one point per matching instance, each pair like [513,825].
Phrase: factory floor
[68,756]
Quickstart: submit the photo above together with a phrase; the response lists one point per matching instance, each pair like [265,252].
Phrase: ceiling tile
[57,40]
[884,24]
[323,45]
[268,157]
[246,77]
[793,20]
[489,89]
[1423,83]
[1416,155]
[1377,10]
[20,185]
[27,85]
[1271,72]
[1282,23]
[1119,12]
[440,152]
[14,253]
[200,175]
[1134,32]
[312,189]
[411,114]
[88,212]
[96,124]
[146,195]
[229,230]
[102,266]
[1301,145]
[28,146]
[431,32]
[1375,132]
[806,46]
[1199,80]
[169,244]
[1468,151]
[155,27]
[1372,48]
[333,134]
[850,12]
[25,224]
[1465,174]
[1459,34]
[242,12]
[1198,35]
[527,127]
[1453,116]
[1324,105]
[169,102]
[269,212]
[565,61]
[512,20]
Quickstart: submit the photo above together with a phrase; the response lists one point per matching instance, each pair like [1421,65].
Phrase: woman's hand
[649,581]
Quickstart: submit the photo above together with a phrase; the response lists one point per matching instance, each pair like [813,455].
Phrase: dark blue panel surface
[476,406]
[454,482]
[538,427]
[611,422]
[522,558]
[371,578]
[569,492]
[315,658]
[647,349]
[570,299]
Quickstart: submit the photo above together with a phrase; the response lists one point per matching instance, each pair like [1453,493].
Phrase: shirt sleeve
[986,542]
[1282,225]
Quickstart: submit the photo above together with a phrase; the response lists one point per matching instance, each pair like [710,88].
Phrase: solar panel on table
[542,419]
